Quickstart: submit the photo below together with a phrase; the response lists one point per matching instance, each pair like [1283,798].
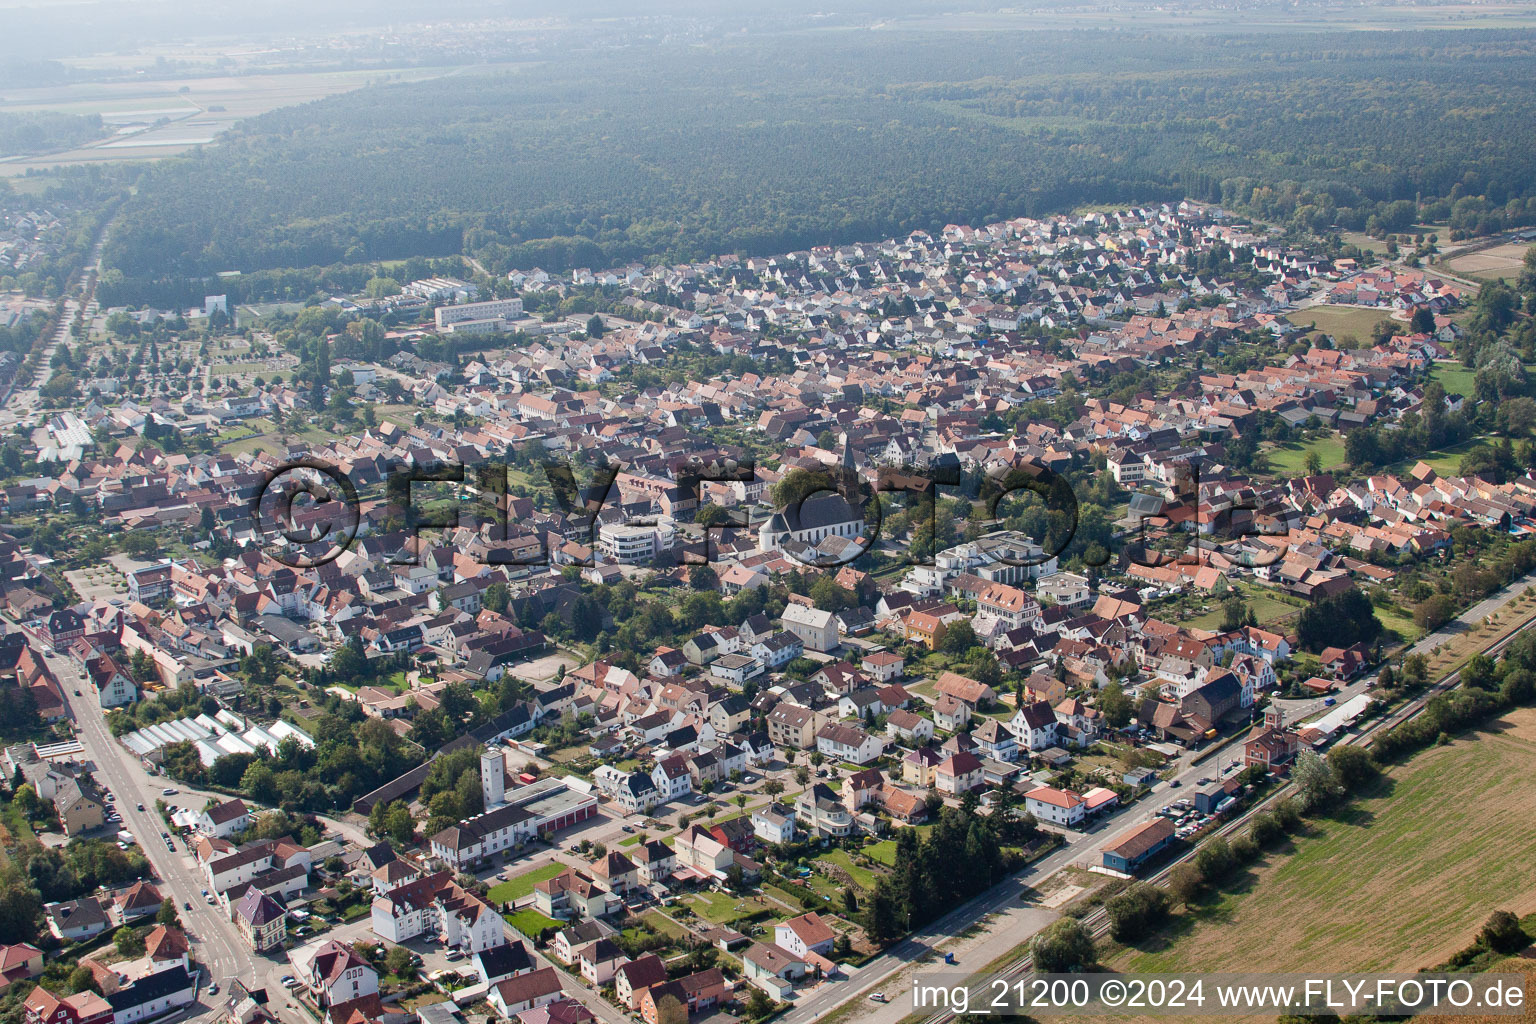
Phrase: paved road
[21,404]
[216,942]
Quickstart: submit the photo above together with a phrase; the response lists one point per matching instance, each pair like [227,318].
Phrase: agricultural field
[1340,321]
[1498,263]
[154,119]
[1396,881]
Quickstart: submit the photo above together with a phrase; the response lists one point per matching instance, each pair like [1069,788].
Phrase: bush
[1064,945]
[1137,911]
[1502,933]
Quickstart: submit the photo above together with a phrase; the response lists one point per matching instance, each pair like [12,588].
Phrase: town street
[217,943]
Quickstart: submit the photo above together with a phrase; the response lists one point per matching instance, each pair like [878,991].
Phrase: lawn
[661,924]
[1399,623]
[884,852]
[517,887]
[723,907]
[1290,459]
[1396,881]
[1340,321]
[1455,378]
[1266,608]
[860,874]
[530,922]
[1444,461]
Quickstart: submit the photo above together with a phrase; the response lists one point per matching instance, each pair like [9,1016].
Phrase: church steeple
[848,464]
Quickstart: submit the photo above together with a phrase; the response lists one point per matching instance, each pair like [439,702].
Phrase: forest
[46,131]
[778,143]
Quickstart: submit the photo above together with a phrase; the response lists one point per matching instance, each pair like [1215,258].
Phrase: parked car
[186,904]
[141,807]
[1175,784]
[167,792]
[1330,702]
[877,997]
[213,989]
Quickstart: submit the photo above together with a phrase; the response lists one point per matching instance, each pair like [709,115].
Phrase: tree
[82,980]
[1234,612]
[495,597]
[1115,705]
[703,578]
[594,326]
[1186,883]
[1352,766]
[959,638]
[758,1004]
[881,914]
[1063,945]
[1502,933]
[1137,911]
[399,823]
[1316,782]
[398,960]
[128,942]
[167,915]
[1478,672]
[1314,462]
[1344,619]
[802,774]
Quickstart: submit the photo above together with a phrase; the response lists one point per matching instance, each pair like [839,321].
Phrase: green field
[1455,378]
[860,874]
[1444,461]
[664,925]
[1266,608]
[1290,459]
[723,908]
[1395,881]
[1340,321]
[517,887]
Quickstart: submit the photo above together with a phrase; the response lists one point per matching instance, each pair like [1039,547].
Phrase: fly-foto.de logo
[308,513]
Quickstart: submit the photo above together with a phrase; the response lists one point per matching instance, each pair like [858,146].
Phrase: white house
[1057,806]
[225,819]
[848,743]
[816,629]
[1034,726]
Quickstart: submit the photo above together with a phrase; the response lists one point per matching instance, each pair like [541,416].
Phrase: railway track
[1097,922]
